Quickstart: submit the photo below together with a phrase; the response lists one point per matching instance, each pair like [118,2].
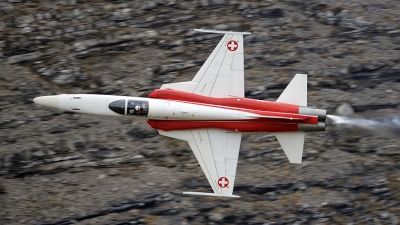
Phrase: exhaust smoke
[386,125]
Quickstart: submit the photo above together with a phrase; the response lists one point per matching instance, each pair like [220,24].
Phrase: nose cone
[49,101]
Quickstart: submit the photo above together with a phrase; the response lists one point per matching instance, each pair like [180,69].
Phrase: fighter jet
[211,112]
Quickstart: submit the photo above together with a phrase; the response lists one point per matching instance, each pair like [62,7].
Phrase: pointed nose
[49,101]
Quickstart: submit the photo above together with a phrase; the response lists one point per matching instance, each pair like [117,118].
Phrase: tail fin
[292,144]
[296,92]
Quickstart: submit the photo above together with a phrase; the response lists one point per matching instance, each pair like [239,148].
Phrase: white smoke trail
[380,125]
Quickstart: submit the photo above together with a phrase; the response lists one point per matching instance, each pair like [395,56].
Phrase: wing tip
[209,194]
[221,32]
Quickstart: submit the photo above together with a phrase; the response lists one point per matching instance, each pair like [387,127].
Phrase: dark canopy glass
[118,106]
[137,108]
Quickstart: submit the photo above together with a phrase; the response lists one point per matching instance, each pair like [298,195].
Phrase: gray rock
[113,173]
[282,62]
[70,2]
[368,67]
[259,90]
[60,159]
[39,153]
[39,16]
[328,17]
[165,212]
[380,191]
[218,2]
[80,46]
[2,189]
[24,57]
[338,205]
[221,27]
[310,153]
[151,34]
[277,157]
[361,22]
[272,13]
[10,124]
[149,5]
[142,134]
[79,144]
[384,216]
[216,217]
[163,69]
[344,71]
[27,30]
[394,31]
[88,53]
[252,154]
[204,2]
[58,130]
[261,189]
[189,5]
[63,79]
[344,109]
[389,150]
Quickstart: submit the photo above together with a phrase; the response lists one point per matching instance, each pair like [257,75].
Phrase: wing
[217,152]
[222,75]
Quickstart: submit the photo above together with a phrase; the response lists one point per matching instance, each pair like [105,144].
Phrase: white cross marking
[223,182]
[232,45]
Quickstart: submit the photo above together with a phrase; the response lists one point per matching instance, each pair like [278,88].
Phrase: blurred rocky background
[62,168]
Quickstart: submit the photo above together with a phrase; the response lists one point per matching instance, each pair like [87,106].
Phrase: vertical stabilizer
[296,92]
[292,144]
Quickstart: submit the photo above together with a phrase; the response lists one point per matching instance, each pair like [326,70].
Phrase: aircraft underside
[210,112]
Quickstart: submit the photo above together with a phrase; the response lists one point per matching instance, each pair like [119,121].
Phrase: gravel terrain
[63,168]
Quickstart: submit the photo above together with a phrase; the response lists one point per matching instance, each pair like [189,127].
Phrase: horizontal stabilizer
[292,144]
[296,92]
[210,194]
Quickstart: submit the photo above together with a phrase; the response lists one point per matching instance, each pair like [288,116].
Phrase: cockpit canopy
[130,107]
[137,107]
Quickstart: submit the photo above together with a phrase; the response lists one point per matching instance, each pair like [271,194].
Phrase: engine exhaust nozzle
[321,113]
[312,127]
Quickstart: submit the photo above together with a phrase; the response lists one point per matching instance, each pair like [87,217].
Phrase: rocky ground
[62,168]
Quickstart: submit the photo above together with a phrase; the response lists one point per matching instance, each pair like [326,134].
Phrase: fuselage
[175,110]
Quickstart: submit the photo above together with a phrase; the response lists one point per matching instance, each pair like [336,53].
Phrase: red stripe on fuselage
[258,107]
[239,126]
[242,103]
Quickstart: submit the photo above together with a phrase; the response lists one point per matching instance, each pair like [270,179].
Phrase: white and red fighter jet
[211,113]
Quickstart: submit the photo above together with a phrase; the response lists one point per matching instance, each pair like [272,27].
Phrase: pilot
[137,110]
